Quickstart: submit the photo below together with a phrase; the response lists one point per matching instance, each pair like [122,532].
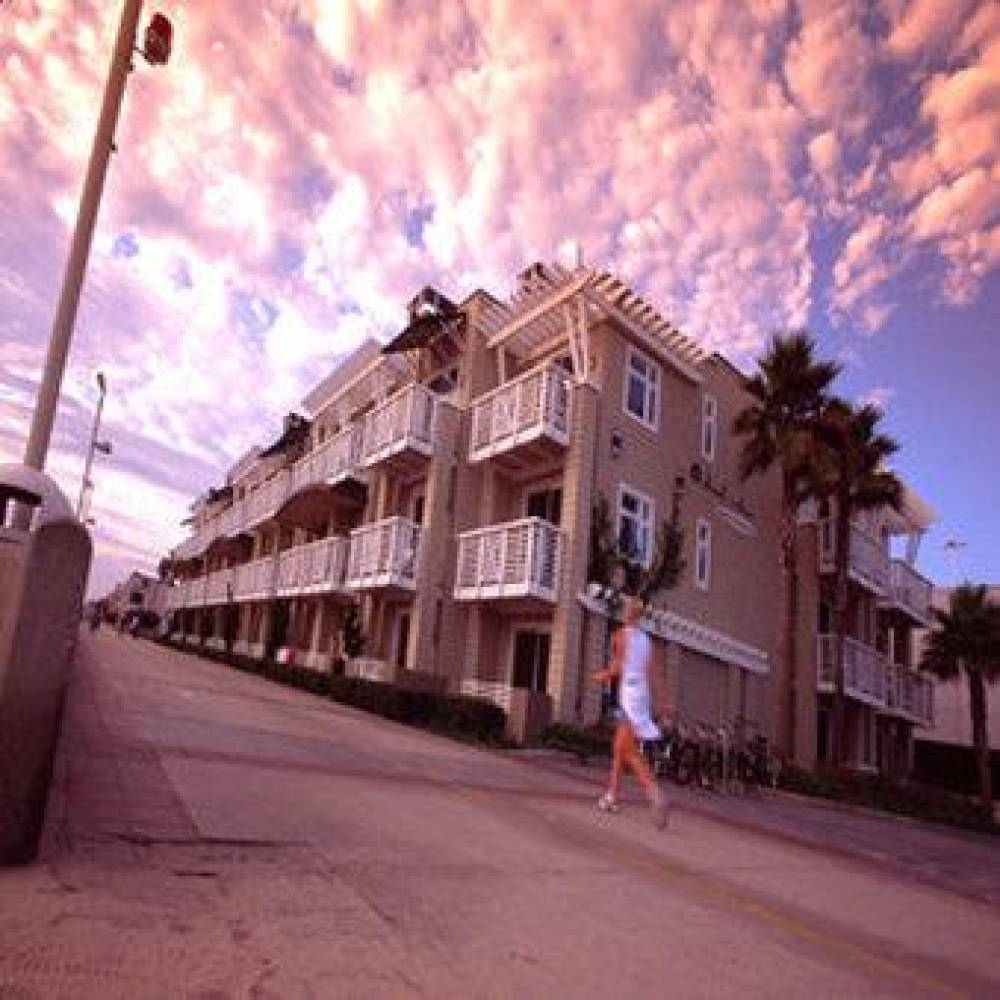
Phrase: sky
[300,169]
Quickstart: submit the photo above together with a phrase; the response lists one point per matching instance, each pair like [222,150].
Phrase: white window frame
[709,427]
[649,421]
[644,500]
[703,543]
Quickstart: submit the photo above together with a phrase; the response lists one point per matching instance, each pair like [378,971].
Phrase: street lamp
[156,50]
[104,447]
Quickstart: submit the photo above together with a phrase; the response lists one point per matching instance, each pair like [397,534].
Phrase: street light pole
[156,51]
[92,447]
[93,186]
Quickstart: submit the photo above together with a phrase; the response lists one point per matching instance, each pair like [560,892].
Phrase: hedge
[585,743]
[447,714]
[878,792]
[952,767]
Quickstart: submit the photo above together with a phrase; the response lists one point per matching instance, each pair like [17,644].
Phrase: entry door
[531,660]
[546,504]
[402,640]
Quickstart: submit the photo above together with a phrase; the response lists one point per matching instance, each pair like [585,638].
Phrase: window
[531,660]
[709,427]
[418,509]
[703,554]
[642,389]
[635,525]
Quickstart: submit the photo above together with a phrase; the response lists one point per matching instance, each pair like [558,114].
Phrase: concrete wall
[34,674]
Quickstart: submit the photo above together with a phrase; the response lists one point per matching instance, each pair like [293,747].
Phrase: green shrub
[591,742]
[879,792]
[451,715]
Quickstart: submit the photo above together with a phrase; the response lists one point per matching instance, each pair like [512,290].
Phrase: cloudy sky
[301,168]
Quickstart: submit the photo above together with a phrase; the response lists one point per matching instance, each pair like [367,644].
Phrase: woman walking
[631,654]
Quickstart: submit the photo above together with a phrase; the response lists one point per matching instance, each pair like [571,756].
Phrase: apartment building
[889,602]
[443,486]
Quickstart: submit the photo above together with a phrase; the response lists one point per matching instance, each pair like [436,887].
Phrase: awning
[422,332]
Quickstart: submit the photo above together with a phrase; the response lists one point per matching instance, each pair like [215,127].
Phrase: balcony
[524,420]
[910,695]
[868,564]
[400,430]
[219,586]
[383,554]
[264,502]
[865,671]
[909,593]
[334,461]
[315,568]
[517,559]
[187,594]
[254,580]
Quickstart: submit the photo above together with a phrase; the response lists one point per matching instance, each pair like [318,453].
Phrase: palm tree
[787,392]
[614,565]
[856,479]
[967,639]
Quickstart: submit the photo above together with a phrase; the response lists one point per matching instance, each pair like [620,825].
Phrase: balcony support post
[565,667]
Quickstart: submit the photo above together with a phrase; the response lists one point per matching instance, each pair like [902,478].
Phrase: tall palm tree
[856,479]
[787,392]
[967,639]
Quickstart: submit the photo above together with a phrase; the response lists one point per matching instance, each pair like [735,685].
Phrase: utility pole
[156,51]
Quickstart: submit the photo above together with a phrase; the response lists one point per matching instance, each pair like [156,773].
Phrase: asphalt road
[213,835]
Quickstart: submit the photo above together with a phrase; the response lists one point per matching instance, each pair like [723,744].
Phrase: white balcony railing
[254,580]
[333,461]
[910,591]
[911,695]
[517,559]
[383,554]
[865,670]
[492,691]
[263,503]
[404,422]
[530,407]
[187,594]
[218,586]
[868,561]
[313,568]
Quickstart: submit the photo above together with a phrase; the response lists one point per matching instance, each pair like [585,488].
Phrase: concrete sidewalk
[213,835]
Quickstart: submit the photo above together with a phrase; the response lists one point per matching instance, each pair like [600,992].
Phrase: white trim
[692,635]
[702,583]
[652,424]
[643,498]
[709,418]
[505,328]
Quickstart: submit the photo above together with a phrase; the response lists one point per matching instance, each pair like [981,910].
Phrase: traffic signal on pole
[159,37]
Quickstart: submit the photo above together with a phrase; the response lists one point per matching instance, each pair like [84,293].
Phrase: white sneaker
[607,803]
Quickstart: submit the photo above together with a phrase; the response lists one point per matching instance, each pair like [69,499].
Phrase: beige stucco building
[444,485]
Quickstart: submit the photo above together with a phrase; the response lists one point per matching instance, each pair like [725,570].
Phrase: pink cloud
[696,148]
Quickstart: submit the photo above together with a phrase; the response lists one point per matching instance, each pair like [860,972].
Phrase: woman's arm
[614,667]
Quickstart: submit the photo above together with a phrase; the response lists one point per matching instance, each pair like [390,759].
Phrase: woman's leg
[619,756]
